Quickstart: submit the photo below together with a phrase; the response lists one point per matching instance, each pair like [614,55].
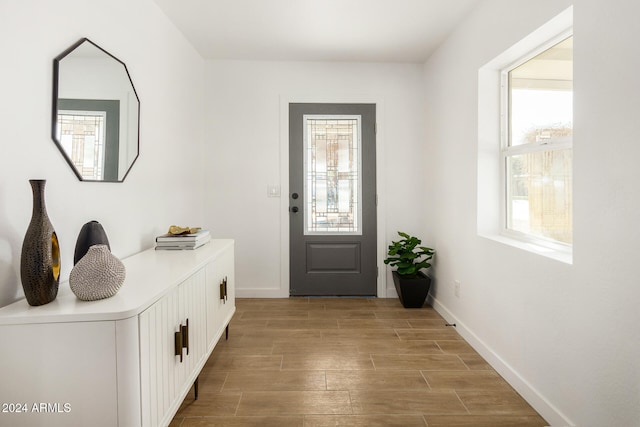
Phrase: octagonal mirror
[96,113]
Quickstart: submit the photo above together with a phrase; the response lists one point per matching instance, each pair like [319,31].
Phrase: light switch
[273,190]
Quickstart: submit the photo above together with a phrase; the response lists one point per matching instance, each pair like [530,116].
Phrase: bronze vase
[40,260]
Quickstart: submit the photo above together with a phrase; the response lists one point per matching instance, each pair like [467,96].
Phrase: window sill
[561,255]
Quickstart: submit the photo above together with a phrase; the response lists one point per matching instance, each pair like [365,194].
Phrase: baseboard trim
[261,293]
[549,412]
[277,293]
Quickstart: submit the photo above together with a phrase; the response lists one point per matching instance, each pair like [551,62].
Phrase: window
[525,142]
[537,141]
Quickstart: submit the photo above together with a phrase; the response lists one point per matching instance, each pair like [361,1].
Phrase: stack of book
[182,241]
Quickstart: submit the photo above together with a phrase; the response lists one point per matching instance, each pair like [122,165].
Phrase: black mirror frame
[54,114]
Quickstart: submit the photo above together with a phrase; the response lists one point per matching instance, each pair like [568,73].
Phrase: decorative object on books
[40,259]
[411,284]
[187,241]
[177,230]
[97,275]
[91,234]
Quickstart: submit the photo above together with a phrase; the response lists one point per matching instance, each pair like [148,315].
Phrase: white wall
[165,185]
[245,153]
[564,335]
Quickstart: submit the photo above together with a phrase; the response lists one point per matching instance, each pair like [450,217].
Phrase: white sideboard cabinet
[125,361]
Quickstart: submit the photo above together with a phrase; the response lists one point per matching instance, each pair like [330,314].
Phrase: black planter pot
[412,291]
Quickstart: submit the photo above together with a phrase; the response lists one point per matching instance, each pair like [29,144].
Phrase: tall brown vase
[40,260]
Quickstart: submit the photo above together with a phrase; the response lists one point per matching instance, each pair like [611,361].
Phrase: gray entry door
[332,199]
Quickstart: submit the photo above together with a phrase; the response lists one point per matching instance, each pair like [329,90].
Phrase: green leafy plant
[407,256]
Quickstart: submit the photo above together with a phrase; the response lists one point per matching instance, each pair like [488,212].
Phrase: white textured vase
[98,274]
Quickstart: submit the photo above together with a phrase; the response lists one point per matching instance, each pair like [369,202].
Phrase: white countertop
[150,275]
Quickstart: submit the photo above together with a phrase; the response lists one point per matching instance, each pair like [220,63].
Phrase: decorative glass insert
[82,134]
[332,174]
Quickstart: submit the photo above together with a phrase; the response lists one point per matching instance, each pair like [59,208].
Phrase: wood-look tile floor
[348,362]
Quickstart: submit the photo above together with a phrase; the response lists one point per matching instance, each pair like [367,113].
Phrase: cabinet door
[193,309]
[225,263]
[165,376]
[220,306]
[214,299]
[159,367]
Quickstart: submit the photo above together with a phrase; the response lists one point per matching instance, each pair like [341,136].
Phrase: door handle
[294,209]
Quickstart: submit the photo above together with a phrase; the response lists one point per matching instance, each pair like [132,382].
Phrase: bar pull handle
[185,336]
[226,295]
[222,291]
[178,343]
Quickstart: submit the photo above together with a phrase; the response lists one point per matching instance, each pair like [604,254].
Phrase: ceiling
[317,30]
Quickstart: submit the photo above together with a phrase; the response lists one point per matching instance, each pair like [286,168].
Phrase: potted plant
[411,283]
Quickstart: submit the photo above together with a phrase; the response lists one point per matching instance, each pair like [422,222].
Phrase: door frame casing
[285,100]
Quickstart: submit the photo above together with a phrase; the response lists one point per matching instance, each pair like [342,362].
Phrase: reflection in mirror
[96,113]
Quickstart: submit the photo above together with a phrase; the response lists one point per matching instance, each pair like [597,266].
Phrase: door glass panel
[82,136]
[332,173]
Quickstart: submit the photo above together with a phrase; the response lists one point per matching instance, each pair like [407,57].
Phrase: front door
[332,199]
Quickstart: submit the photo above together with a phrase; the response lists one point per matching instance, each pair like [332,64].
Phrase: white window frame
[507,150]
[491,171]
